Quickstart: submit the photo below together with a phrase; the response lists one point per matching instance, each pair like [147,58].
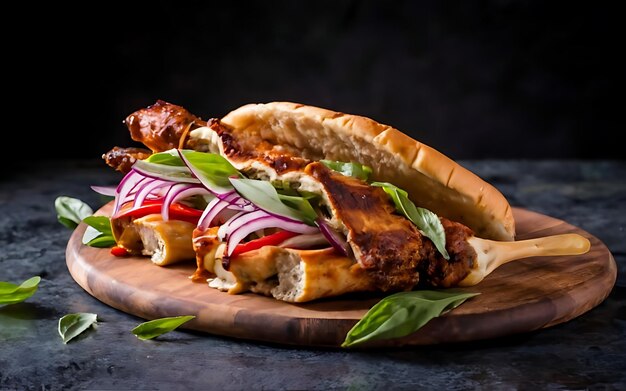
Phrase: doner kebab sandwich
[301,203]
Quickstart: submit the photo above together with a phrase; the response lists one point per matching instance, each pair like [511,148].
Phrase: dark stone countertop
[588,352]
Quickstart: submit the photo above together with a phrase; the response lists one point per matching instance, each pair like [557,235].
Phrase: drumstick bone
[492,254]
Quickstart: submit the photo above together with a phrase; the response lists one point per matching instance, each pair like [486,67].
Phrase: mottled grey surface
[588,352]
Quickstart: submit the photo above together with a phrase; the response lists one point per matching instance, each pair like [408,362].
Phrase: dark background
[480,79]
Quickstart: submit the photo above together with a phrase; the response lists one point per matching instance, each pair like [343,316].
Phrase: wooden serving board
[518,297]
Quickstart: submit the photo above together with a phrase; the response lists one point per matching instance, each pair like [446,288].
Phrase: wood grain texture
[521,296]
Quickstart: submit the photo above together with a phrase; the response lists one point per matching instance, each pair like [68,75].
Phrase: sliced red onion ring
[104,190]
[124,189]
[336,239]
[180,191]
[243,225]
[224,230]
[306,241]
[148,189]
[214,208]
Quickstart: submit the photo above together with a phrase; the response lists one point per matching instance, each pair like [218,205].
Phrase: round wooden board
[518,297]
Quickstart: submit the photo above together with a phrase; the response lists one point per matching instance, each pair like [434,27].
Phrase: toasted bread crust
[432,180]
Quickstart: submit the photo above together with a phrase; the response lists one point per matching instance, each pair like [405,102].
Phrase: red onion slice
[334,238]
[124,189]
[305,241]
[243,225]
[148,189]
[177,192]
[104,190]
[214,208]
[224,230]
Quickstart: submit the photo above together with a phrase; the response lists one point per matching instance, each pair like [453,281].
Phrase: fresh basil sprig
[403,313]
[98,232]
[12,294]
[156,327]
[71,211]
[426,221]
[72,325]
[356,170]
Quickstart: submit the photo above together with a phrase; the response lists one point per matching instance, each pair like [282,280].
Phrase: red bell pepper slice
[178,211]
[269,240]
[119,251]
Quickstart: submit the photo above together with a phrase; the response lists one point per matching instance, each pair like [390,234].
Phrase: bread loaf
[432,180]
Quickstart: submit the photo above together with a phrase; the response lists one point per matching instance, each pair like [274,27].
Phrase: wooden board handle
[492,254]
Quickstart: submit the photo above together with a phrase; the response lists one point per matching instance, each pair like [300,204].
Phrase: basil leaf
[426,221]
[101,223]
[403,313]
[99,233]
[154,328]
[168,158]
[302,205]
[12,294]
[102,241]
[356,170]
[211,169]
[265,196]
[72,325]
[71,211]
[284,187]
[170,171]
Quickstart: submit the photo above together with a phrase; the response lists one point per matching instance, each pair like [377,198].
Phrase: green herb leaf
[403,313]
[302,205]
[72,325]
[101,223]
[12,294]
[168,158]
[212,169]
[99,233]
[265,196]
[356,170]
[284,187]
[426,221]
[154,328]
[71,211]
[166,168]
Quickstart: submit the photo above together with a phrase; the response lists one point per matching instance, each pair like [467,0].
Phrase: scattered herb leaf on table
[403,313]
[156,327]
[72,325]
[12,294]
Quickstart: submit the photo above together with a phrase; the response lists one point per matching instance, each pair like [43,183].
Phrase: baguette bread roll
[432,180]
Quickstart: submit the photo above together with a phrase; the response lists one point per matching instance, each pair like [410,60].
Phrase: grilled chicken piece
[384,243]
[161,126]
[388,245]
[122,159]
[242,153]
